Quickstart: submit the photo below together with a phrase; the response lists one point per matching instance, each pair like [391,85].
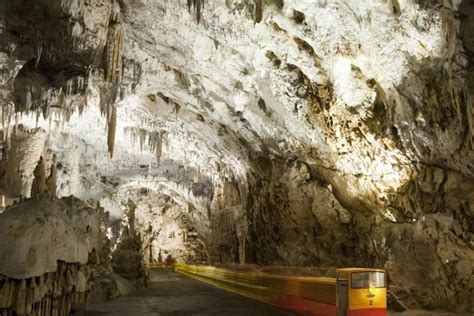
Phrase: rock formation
[39,181]
[166,229]
[24,153]
[38,278]
[127,258]
[43,187]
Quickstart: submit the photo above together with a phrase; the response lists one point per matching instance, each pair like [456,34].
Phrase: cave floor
[172,294]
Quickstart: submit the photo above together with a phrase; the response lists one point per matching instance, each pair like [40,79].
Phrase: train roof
[360,270]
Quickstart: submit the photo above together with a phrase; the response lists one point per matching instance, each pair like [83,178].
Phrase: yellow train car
[354,292]
[361,292]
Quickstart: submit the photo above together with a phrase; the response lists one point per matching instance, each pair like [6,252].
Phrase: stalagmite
[39,182]
[127,258]
[50,184]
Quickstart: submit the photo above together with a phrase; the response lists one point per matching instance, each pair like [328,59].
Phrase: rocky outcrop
[37,277]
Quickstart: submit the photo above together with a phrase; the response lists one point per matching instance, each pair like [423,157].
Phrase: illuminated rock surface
[332,133]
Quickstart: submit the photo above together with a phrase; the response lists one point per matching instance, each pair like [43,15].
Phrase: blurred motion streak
[353,292]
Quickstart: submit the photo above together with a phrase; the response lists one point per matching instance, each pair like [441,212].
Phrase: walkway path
[171,294]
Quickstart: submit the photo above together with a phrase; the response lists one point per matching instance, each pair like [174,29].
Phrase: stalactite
[17,121]
[197,6]
[189,3]
[113,53]
[113,67]
[38,87]
[37,118]
[137,72]
[197,175]
[198,11]
[39,50]
[258,15]
[142,135]
[111,130]
[7,113]
[449,30]
[155,140]
[159,148]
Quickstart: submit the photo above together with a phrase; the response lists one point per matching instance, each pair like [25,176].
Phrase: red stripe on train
[305,307]
[368,312]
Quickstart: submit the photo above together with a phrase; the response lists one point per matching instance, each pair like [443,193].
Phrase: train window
[343,275]
[365,280]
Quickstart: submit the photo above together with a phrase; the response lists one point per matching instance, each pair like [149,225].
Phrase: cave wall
[166,229]
[292,217]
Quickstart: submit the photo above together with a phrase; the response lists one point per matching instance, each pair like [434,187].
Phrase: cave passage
[309,155]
